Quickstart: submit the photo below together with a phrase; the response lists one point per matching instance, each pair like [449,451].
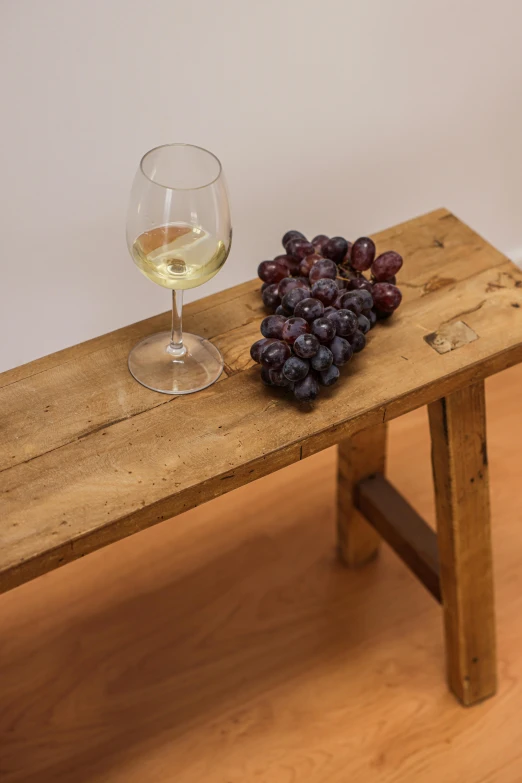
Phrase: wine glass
[179,235]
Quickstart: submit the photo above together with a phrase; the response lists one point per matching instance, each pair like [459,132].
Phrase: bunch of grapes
[323,307]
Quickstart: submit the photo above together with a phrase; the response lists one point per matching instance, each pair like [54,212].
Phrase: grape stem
[176,347]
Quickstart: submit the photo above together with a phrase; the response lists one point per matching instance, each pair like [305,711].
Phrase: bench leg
[460,472]
[358,457]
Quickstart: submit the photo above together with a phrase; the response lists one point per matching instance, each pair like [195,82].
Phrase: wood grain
[89,456]
[228,645]
[402,528]
[358,457]
[461,477]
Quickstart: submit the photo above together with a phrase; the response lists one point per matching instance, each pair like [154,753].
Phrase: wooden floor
[228,645]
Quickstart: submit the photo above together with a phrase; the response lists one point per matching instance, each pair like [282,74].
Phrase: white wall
[342,116]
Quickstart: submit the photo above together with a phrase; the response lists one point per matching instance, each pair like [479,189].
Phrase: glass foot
[152,366]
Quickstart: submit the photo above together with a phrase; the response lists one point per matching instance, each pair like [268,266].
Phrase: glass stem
[176,347]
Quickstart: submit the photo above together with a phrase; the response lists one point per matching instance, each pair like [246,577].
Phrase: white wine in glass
[179,235]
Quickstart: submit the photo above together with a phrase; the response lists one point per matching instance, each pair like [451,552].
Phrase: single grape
[265,285]
[270,296]
[307,263]
[325,290]
[325,268]
[273,271]
[275,354]
[350,301]
[387,297]
[272,326]
[341,350]
[293,328]
[324,329]
[386,266]
[329,310]
[278,378]
[362,295]
[360,284]
[322,359]
[309,309]
[330,376]
[336,249]
[291,262]
[357,341]
[306,346]
[255,350]
[299,248]
[280,310]
[287,283]
[295,368]
[363,253]
[307,389]
[319,242]
[291,235]
[364,324]
[345,322]
[265,376]
[370,315]
[294,296]
[381,315]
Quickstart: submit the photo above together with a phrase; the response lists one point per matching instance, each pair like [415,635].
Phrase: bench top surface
[88,456]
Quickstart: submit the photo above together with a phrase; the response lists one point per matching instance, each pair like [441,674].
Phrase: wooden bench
[88,456]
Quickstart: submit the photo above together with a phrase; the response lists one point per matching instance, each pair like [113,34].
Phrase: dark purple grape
[381,315]
[330,376]
[386,266]
[364,324]
[323,269]
[273,271]
[392,280]
[307,263]
[265,285]
[306,346]
[307,389]
[293,328]
[291,262]
[291,235]
[278,378]
[349,301]
[319,242]
[325,290]
[270,296]
[329,310]
[275,354]
[348,254]
[295,368]
[265,376]
[370,315]
[341,350]
[387,297]
[363,254]
[363,296]
[322,359]
[255,350]
[291,299]
[272,326]
[337,304]
[357,341]
[309,309]
[280,310]
[287,283]
[324,329]
[299,248]
[345,322]
[294,296]
[336,249]
[360,284]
